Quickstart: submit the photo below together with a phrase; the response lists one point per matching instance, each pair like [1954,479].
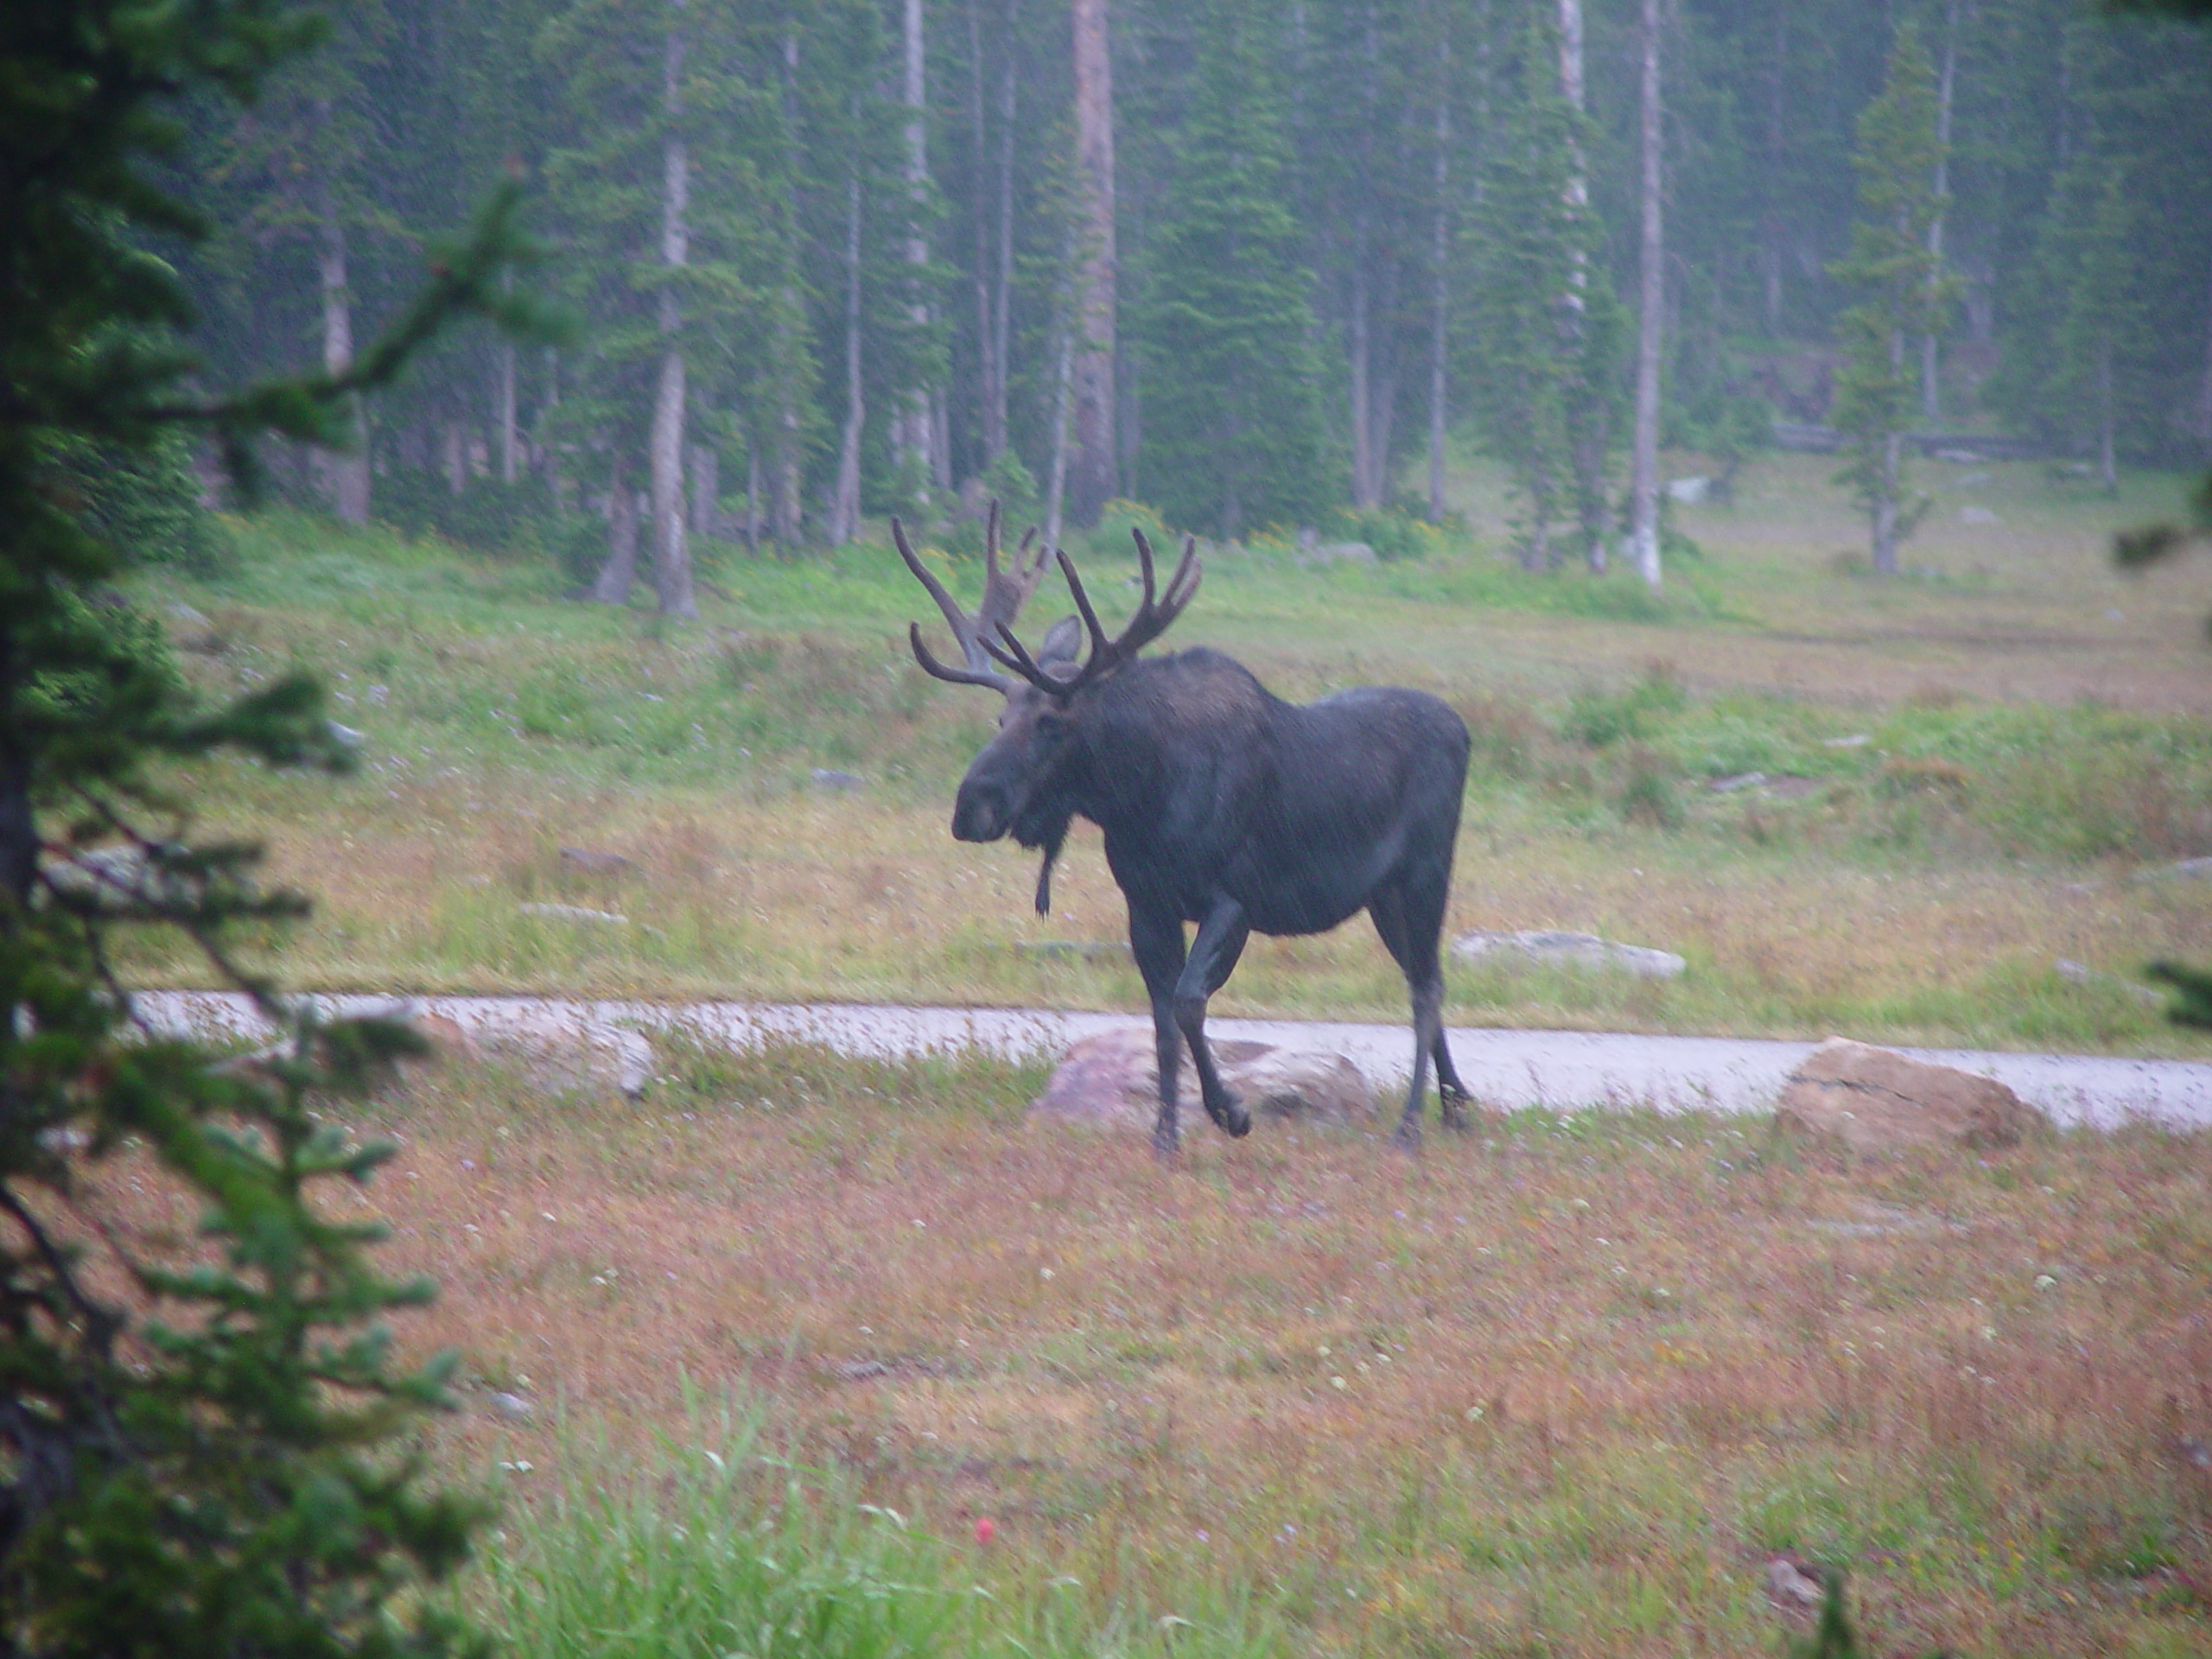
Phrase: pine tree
[1547,327]
[1233,435]
[1901,287]
[201,1436]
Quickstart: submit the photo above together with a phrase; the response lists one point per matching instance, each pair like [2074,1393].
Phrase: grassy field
[1970,773]
[1563,1387]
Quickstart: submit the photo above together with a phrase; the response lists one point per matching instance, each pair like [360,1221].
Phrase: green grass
[1966,778]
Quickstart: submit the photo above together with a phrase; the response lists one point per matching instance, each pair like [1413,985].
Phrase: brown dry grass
[1559,1387]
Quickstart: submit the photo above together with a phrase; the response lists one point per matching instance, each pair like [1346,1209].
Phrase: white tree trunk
[671,552]
[1931,392]
[1644,533]
[1056,486]
[612,585]
[347,474]
[1091,469]
[911,427]
[844,515]
[1439,260]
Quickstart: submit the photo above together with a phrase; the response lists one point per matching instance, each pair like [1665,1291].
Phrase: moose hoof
[1166,1146]
[1237,1123]
[1456,1119]
[1407,1139]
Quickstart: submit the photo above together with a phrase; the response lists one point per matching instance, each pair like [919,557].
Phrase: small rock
[1113,1080]
[1877,1101]
[829,777]
[1552,949]
[576,913]
[1796,1583]
[587,861]
[1741,780]
[1690,491]
[512,1406]
[1978,516]
[1856,740]
[2187,869]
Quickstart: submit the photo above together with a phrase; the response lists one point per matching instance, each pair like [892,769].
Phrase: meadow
[799,1355]
[1890,808]
[825,1357]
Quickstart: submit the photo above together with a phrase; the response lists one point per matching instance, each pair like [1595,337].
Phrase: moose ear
[1062,640]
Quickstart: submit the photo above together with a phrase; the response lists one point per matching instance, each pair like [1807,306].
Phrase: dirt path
[1563,1070]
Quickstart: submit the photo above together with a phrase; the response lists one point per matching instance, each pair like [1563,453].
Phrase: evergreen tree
[201,1435]
[1902,293]
[1547,327]
[1233,435]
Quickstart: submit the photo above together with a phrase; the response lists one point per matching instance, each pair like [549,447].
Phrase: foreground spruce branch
[198,1429]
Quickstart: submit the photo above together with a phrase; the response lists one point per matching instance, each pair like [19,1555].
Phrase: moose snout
[981,812]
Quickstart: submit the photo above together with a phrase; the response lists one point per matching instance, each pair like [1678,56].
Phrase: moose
[1222,806]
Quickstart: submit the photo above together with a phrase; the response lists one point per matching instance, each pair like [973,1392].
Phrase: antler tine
[954,616]
[957,676]
[1144,563]
[1023,663]
[1179,594]
[1099,647]
[991,545]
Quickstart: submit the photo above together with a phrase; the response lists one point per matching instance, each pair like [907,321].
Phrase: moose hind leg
[1414,951]
[1214,952]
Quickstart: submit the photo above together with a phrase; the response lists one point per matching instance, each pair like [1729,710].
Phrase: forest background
[1246,262]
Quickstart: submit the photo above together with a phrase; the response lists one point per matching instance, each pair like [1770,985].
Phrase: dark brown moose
[1222,805]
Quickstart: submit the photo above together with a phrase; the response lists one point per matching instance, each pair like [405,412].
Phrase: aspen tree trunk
[2107,472]
[844,518]
[912,427]
[671,552]
[1055,489]
[1440,240]
[1003,305]
[1091,471]
[612,585]
[1588,459]
[786,509]
[1643,534]
[990,412]
[1931,393]
[751,495]
[502,409]
[347,474]
[1771,230]
[1363,467]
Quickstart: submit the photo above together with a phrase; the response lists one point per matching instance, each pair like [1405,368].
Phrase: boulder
[1112,1080]
[1546,947]
[1875,1100]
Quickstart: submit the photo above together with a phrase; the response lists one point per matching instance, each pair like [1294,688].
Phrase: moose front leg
[1156,941]
[1213,955]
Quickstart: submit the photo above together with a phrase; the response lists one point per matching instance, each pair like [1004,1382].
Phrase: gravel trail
[1564,1071]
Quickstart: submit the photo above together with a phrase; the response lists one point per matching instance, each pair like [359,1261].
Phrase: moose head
[1018,785]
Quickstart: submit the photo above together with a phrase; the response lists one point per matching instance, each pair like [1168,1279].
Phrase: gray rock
[1547,948]
[587,861]
[1690,491]
[576,913]
[829,777]
[1112,1081]
[512,1406]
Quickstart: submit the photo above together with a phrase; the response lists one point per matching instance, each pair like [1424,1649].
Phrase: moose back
[1222,806]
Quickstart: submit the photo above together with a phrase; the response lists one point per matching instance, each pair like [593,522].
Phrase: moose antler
[1155,616]
[1004,592]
